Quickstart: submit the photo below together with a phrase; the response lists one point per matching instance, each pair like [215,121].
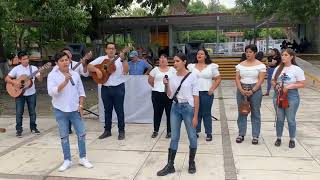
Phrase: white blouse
[158,78]
[189,88]
[290,74]
[205,76]
[250,74]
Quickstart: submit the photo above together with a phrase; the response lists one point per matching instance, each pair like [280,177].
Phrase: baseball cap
[133,54]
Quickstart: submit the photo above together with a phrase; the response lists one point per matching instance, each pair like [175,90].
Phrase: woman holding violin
[286,80]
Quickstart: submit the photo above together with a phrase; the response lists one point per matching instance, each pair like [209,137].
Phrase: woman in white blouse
[209,79]
[293,78]
[184,108]
[159,98]
[249,78]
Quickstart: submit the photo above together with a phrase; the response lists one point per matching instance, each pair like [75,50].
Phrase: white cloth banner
[137,102]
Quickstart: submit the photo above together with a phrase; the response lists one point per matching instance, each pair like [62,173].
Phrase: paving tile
[284,150]
[276,175]
[276,164]
[155,162]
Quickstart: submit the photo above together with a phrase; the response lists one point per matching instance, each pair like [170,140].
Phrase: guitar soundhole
[22,84]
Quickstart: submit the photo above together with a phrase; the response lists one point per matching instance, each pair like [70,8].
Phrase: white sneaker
[66,164]
[85,162]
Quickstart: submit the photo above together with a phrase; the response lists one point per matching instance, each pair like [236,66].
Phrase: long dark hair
[207,59]
[277,52]
[281,66]
[183,57]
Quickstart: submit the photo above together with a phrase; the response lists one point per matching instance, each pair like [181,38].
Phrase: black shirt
[277,58]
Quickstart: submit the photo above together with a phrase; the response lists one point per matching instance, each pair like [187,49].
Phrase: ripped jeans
[63,125]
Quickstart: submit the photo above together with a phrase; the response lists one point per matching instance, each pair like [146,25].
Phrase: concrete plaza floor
[139,156]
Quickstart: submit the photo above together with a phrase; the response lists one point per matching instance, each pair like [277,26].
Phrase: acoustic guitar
[25,81]
[107,67]
[83,60]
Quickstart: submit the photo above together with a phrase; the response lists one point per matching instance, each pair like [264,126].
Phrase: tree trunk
[2,56]
[93,29]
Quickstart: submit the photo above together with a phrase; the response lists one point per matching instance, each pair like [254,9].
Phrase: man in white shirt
[29,94]
[67,92]
[112,91]
[81,70]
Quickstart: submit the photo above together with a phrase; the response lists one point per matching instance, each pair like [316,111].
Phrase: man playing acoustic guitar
[113,90]
[29,94]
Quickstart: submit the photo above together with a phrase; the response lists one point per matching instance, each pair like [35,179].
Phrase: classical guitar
[25,81]
[83,60]
[107,67]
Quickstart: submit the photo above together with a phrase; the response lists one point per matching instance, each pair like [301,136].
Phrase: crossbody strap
[178,89]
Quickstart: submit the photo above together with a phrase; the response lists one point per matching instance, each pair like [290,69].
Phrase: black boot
[192,164]
[169,168]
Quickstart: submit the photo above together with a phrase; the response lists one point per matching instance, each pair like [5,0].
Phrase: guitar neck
[78,64]
[34,73]
[113,60]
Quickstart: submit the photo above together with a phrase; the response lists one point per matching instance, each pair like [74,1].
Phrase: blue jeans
[290,113]
[255,103]
[270,72]
[205,106]
[63,119]
[31,103]
[179,112]
[113,96]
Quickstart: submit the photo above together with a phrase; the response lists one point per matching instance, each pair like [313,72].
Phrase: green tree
[296,11]
[208,36]
[197,7]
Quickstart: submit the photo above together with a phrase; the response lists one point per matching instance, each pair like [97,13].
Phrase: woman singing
[185,108]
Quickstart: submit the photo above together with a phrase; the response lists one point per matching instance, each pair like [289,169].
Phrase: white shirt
[79,69]
[189,88]
[115,78]
[250,74]
[292,73]
[158,78]
[67,100]
[205,76]
[19,70]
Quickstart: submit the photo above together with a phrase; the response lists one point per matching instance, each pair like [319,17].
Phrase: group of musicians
[185,92]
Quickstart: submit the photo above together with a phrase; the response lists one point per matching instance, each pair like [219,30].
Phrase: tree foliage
[207,36]
[295,10]
[62,20]
[198,7]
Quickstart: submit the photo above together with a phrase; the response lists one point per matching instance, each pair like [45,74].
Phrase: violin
[282,97]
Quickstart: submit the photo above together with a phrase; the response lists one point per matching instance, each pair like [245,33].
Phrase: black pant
[160,102]
[113,96]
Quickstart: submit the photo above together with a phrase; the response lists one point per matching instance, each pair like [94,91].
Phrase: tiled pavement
[140,157]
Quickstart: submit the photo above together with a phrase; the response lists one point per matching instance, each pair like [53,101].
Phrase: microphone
[166,85]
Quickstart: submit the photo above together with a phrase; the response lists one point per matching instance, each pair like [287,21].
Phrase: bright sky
[227,3]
